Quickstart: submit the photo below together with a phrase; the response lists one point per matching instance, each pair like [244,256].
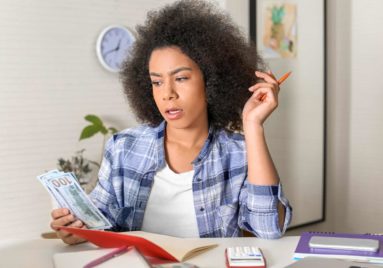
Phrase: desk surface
[39,252]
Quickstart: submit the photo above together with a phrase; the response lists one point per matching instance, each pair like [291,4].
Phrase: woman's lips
[174,113]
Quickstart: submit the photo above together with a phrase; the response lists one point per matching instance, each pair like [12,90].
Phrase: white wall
[338,107]
[239,11]
[361,182]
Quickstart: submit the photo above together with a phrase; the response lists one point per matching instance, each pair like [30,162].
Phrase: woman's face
[178,88]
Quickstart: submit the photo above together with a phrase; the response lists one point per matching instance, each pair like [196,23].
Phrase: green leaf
[113,130]
[103,130]
[94,119]
[89,131]
[97,122]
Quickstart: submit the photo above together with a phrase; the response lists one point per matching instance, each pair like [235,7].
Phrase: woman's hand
[263,101]
[63,217]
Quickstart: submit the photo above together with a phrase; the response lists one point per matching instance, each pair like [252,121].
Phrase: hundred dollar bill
[68,193]
[61,203]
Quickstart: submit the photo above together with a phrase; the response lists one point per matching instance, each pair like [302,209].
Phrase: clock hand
[109,51]
[118,46]
[114,49]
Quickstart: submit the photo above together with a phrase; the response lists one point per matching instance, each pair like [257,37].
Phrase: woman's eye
[156,83]
[181,78]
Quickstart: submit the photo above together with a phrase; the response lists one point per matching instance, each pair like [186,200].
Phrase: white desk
[39,252]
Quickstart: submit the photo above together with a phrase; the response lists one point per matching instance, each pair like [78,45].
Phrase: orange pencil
[283,78]
[280,81]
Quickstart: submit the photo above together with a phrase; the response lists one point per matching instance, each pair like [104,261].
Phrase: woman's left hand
[263,101]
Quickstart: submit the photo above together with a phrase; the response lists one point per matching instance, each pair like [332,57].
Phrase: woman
[196,85]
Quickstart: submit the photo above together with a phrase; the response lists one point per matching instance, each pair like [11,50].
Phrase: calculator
[244,256]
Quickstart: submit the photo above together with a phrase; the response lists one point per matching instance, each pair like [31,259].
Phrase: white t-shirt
[170,208]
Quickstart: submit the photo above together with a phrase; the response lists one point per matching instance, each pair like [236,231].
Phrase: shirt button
[199,179]
[201,209]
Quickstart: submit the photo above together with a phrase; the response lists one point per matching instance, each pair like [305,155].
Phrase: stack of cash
[64,188]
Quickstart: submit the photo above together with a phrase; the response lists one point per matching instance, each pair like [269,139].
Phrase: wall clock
[114,46]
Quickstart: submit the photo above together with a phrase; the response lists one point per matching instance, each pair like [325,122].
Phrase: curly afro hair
[210,38]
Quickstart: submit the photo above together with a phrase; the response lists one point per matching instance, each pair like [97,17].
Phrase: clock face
[113,47]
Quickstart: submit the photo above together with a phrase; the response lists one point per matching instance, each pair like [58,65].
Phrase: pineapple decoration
[277,28]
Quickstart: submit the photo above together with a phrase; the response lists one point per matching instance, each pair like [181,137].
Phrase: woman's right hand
[63,217]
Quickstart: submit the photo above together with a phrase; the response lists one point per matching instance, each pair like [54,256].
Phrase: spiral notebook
[304,250]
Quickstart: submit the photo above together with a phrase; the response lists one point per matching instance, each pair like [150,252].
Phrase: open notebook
[149,244]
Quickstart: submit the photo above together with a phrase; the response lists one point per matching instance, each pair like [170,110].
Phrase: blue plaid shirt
[225,202]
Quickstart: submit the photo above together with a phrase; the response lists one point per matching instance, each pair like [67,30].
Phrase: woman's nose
[169,92]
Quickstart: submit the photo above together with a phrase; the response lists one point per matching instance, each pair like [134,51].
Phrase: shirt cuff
[264,198]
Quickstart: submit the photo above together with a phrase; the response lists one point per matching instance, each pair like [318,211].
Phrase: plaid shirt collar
[160,143]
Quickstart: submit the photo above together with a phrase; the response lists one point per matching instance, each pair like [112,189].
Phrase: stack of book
[372,253]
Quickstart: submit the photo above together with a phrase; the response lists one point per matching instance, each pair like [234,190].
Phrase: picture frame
[290,35]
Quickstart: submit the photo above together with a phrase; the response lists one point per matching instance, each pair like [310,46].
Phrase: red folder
[107,239]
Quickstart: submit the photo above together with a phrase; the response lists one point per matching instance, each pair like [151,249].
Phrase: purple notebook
[303,249]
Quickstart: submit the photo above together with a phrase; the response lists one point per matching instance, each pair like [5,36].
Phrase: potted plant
[78,164]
